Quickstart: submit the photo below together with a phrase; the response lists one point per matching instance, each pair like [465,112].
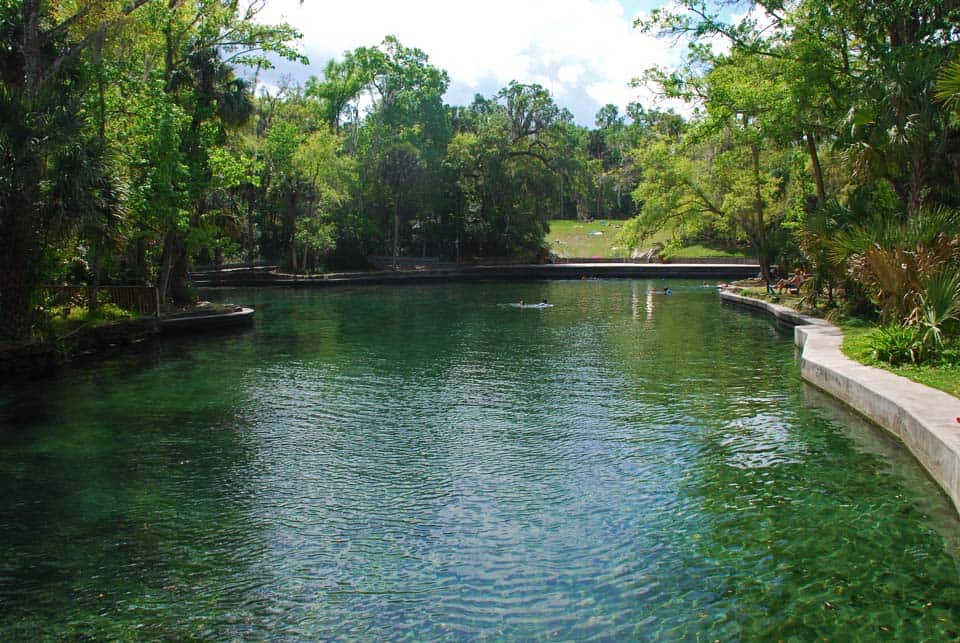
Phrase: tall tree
[45,146]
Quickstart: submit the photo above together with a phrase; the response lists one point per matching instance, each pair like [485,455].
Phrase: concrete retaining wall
[523,272]
[924,419]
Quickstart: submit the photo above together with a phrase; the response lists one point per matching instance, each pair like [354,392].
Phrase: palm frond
[948,85]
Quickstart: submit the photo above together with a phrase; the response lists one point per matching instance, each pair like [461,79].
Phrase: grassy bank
[857,345]
[67,319]
[598,239]
[572,238]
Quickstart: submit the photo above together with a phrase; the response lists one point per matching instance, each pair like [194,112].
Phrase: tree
[402,142]
[46,152]
[202,42]
[517,150]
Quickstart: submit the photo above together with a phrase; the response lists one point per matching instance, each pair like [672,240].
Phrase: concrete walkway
[924,419]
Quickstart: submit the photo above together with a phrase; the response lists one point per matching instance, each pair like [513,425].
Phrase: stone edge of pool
[509,272]
[923,418]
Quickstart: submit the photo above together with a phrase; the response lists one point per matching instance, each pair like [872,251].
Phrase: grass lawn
[77,317]
[856,346]
[573,239]
[699,250]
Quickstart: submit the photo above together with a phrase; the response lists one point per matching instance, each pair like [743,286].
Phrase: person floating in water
[544,302]
[667,291]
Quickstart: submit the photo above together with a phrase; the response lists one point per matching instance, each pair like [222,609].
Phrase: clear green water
[420,463]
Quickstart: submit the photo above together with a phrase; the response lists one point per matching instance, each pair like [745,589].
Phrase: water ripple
[413,464]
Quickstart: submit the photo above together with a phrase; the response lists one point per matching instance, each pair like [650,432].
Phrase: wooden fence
[142,299]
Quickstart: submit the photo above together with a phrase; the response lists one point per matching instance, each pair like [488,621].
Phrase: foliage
[938,306]
[66,319]
[948,85]
[894,257]
[922,337]
[897,345]
[823,135]
[941,372]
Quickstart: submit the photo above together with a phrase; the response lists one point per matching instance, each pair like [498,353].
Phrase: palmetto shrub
[936,311]
[896,259]
[896,345]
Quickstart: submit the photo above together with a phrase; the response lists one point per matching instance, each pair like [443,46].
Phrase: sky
[584,51]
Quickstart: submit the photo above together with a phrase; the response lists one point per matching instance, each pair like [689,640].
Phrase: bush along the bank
[929,329]
[895,345]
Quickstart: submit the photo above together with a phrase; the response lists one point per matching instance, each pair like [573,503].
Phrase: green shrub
[896,345]
[938,307]
[109,312]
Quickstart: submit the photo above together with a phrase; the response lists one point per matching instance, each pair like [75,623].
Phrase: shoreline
[509,272]
[924,419]
[36,359]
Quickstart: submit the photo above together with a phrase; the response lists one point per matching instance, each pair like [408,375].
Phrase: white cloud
[584,51]
[569,74]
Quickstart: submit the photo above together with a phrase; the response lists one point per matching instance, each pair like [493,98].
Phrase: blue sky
[584,51]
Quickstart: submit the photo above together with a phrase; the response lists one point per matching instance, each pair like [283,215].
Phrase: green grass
[572,239]
[700,250]
[78,316]
[857,335]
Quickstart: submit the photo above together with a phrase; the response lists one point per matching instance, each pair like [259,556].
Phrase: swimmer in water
[667,291]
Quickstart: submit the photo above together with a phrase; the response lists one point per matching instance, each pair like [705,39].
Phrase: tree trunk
[250,223]
[291,205]
[32,37]
[396,232]
[20,233]
[93,288]
[918,191]
[817,170]
[599,196]
[761,235]
[19,259]
[140,260]
[166,265]
[179,279]
[20,250]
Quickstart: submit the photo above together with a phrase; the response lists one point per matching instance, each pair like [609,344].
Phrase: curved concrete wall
[247,277]
[925,419]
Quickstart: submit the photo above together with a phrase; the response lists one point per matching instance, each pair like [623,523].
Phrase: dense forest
[136,145]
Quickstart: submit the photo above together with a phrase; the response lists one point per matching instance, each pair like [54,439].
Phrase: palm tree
[948,85]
